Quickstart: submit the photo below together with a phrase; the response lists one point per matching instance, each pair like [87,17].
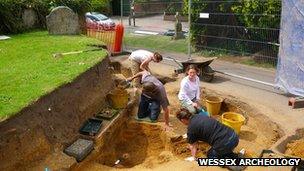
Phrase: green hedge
[103,6]
[11,11]
[267,16]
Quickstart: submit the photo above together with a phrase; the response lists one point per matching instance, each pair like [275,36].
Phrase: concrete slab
[80,149]
[145,32]
[4,37]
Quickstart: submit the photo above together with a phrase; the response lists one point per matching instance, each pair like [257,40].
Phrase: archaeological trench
[34,139]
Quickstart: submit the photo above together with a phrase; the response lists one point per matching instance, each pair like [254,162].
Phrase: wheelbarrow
[206,72]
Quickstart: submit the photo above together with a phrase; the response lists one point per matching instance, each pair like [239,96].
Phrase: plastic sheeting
[290,68]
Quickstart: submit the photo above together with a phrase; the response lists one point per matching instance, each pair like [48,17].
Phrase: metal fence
[246,28]
[150,25]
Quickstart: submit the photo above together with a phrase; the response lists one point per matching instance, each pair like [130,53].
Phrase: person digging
[152,99]
[222,139]
[140,60]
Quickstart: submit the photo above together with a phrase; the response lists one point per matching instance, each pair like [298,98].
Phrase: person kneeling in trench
[153,97]
[222,139]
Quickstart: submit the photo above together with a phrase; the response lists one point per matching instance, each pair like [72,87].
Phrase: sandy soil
[296,148]
[140,146]
[257,134]
[148,147]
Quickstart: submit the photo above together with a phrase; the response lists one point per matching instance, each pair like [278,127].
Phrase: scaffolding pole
[189,35]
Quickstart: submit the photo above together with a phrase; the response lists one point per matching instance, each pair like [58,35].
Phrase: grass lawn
[156,43]
[262,65]
[28,70]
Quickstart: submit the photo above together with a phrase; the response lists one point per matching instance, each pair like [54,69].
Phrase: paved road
[261,74]
[153,23]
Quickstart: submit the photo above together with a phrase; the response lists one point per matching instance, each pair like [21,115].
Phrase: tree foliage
[262,13]
[250,14]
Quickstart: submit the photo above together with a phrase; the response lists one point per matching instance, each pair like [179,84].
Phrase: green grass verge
[243,59]
[166,44]
[28,70]
[251,62]
[156,43]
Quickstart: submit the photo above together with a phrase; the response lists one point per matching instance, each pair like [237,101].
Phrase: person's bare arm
[166,118]
[193,149]
[139,74]
[145,65]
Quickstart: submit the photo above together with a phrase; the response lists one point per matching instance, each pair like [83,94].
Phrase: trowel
[124,84]
[58,55]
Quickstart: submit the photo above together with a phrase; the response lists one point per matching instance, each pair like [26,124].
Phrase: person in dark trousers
[222,139]
[152,98]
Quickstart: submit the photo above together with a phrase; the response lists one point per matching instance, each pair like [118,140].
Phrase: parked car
[95,20]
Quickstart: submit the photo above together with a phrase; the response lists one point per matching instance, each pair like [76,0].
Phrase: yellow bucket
[233,120]
[118,98]
[213,104]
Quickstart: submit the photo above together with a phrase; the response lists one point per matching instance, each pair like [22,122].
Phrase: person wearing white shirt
[140,60]
[189,94]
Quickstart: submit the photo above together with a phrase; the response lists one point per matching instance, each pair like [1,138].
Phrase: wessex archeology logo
[249,162]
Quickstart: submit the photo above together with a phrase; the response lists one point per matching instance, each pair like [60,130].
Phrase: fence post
[119,30]
[189,23]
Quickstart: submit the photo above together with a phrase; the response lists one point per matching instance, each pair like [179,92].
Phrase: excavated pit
[292,145]
[143,146]
[140,146]
[135,142]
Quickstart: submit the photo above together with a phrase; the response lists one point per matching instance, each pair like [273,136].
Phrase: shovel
[58,55]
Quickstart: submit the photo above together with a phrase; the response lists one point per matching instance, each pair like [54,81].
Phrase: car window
[101,17]
[94,18]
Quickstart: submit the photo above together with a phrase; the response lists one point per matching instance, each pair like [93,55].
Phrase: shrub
[103,6]
[238,16]
[10,14]
[11,11]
